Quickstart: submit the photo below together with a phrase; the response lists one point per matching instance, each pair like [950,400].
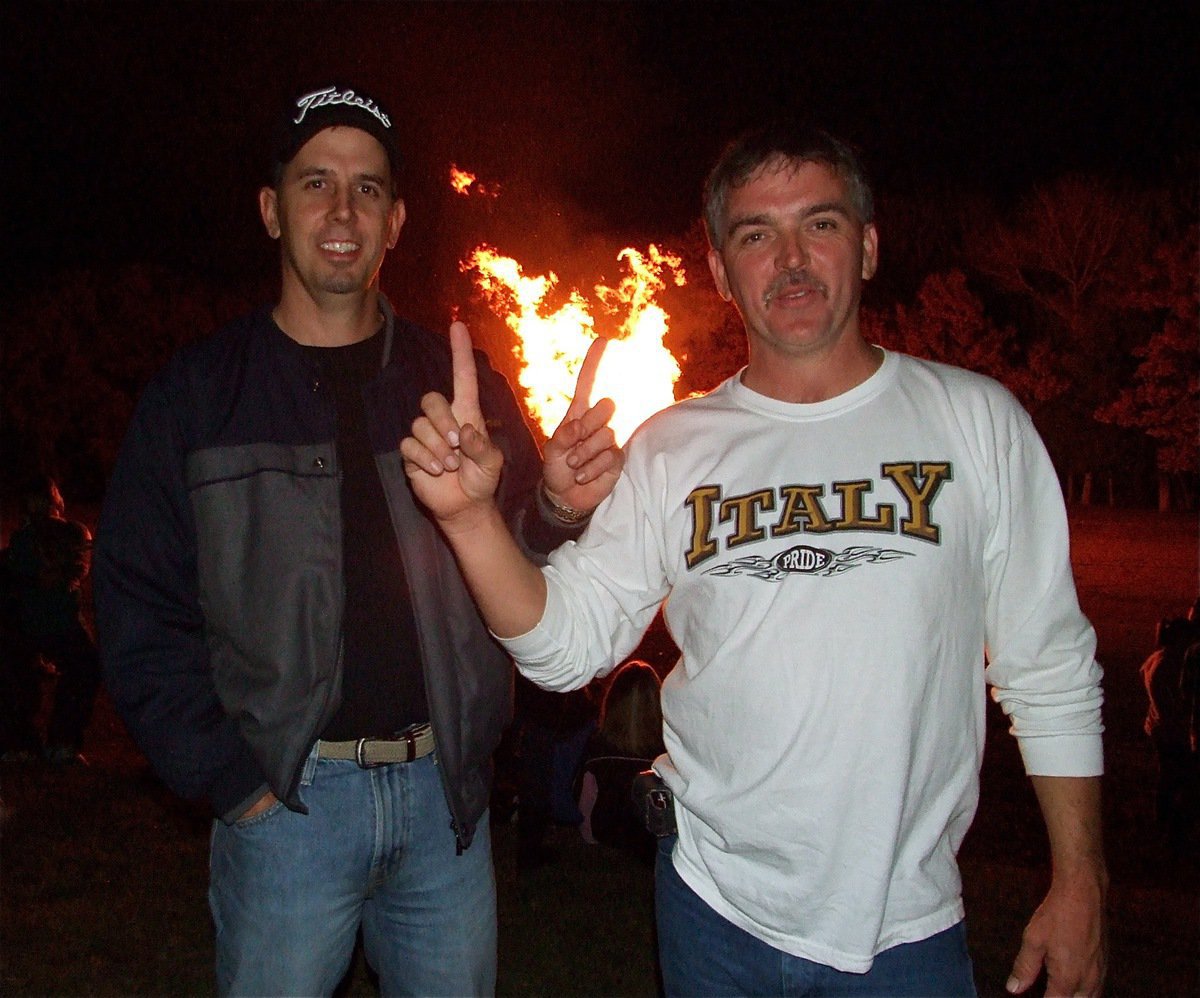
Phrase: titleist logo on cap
[331,95]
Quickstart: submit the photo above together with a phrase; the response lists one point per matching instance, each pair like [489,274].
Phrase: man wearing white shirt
[843,537]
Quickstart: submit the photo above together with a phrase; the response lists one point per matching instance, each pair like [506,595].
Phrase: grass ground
[103,873]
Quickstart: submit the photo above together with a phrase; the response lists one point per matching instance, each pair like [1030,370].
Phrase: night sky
[137,130]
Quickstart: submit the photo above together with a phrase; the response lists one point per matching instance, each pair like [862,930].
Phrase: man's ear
[268,208]
[716,265]
[396,219]
[870,251]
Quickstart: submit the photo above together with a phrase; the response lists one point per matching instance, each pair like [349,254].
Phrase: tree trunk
[1085,494]
[1164,492]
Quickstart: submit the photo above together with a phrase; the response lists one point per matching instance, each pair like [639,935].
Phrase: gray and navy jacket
[218,576]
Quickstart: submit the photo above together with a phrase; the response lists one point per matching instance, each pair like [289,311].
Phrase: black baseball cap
[318,108]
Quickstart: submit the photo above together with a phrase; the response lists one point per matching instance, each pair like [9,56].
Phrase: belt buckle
[360,754]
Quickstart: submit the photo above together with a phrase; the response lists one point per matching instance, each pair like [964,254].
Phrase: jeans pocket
[261,818]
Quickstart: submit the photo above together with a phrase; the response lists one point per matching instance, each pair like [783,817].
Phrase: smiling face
[793,258]
[334,214]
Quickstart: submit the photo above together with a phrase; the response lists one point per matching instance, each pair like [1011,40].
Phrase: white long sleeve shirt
[834,575]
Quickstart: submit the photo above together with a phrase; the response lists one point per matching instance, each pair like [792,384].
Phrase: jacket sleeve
[150,624]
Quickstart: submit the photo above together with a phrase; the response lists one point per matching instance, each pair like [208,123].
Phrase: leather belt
[404,746]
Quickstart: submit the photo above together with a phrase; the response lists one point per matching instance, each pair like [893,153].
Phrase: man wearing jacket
[283,628]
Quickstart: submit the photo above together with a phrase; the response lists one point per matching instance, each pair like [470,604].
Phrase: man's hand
[1067,934]
[455,470]
[582,461]
[450,460]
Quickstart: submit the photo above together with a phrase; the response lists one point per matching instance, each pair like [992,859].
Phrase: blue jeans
[704,954]
[289,891]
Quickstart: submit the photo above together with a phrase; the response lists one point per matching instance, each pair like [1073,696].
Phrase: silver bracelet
[567,515]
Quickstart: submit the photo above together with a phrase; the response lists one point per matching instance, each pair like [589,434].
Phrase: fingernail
[452,436]
[1012,985]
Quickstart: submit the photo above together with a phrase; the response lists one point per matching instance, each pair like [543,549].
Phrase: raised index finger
[586,381]
[466,379]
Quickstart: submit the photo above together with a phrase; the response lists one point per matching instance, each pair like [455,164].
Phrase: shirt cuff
[1062,755]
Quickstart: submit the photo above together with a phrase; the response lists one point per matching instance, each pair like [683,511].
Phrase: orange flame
[637,371]
[466,184]
[461,180]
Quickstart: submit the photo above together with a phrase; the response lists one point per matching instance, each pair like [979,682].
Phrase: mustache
[792,280]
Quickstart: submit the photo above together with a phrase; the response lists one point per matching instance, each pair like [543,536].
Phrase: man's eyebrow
[837,207]
[748,221]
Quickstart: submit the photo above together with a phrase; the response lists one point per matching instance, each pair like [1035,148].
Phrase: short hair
[791,145]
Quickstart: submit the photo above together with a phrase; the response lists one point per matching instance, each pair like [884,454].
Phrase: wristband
[566,515]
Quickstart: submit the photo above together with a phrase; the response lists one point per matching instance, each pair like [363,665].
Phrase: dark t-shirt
[383,688]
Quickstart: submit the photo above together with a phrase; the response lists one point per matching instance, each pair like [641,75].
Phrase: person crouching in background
[627,742]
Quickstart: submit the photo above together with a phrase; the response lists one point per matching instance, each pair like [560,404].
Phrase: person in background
[45,565]
[1172,689]
[629,739]
[850,546]
[283,628]
[552,730]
